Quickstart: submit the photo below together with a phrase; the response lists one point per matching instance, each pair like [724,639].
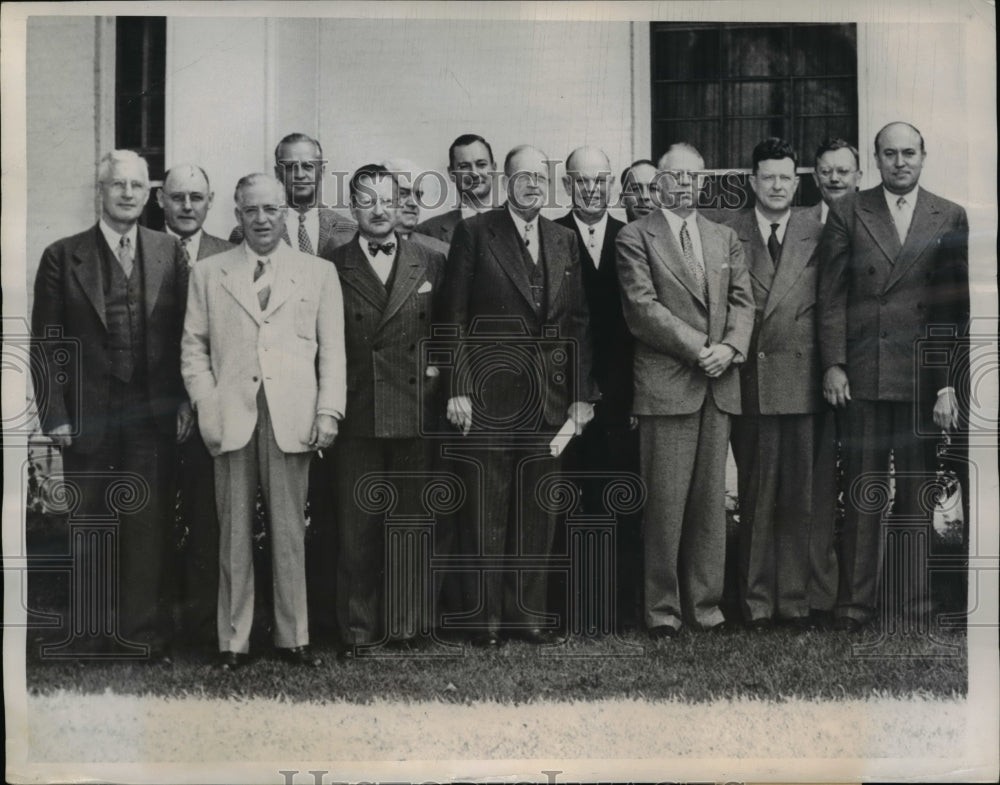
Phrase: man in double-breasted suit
[784,431]
[524,371]
[472,169]
[388,286]
[689,304]
[299,165]
[610,443]
[118,291]
[185,198]
[263,361]
[894,261]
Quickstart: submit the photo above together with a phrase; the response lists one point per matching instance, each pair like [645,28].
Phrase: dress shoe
[232,660]
[300,655]
[820,620]
[722,628]
[486,640]
[762,624]
[663,632]
[798,623]
[847,624]
[538,636]
[159,655]
[347,655]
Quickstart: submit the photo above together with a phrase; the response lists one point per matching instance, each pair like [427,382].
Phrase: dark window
[725,87]
[140,68]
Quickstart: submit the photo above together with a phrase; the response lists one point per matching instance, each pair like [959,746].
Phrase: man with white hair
[408,194]
[118,291]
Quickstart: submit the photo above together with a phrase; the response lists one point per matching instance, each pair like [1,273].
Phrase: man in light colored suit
[118,289]
[389,284]
[472,168]
[837,172]
[185,199]
[406,175]
[689,304]
[519,274]
[263,361]
[299,164]
[783,432]
[894,262]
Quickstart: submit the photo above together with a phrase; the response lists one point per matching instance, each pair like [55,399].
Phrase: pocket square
[424,287]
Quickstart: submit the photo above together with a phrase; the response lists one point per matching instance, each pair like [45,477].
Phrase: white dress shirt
[380,262]
[764,224]
[675,222]
[593,242]
[529,234]
[193,245]
[902,217]
[114,239]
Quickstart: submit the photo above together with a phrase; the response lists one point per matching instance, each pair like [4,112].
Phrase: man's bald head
[185,198]
[588,181]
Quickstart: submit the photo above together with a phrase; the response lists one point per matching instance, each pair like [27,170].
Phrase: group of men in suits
[655,343]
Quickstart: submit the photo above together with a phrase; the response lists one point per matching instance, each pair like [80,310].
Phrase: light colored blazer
[295,348]
[671,320]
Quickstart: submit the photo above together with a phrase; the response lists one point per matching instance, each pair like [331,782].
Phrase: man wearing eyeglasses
[409,195]
[117,291]
[837,172]
[389,285]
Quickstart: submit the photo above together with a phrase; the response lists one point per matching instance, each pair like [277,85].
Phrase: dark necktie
[773,246]
[691,261]
[125,257]
[184,248]
[304,245]
[591,230]
[387,248]
[264,292]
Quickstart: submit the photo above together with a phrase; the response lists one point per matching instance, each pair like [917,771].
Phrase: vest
[126,317]
[536,277]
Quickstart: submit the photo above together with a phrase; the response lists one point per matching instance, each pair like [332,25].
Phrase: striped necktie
[263,291]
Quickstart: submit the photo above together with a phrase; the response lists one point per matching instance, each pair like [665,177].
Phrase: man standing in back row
[893,263]
[472,168]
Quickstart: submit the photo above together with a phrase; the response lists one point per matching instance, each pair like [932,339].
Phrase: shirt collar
[193,242]
[520,223]
[468,210]
[891,198]
[598,227]
[676,221]
[114,239]
[764,224]
[824,211]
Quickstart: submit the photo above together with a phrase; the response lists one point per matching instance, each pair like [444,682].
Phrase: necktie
[531,246]
[902,219]
[304,244]
[773,246]
[263,291]
[691,261]
[387,248]
[184,247]
[125,257]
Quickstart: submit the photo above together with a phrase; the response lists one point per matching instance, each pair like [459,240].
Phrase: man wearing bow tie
[894,262]
[185,199]
[389,285]
[263,360]
[518,276]
[783,431]
[314,229]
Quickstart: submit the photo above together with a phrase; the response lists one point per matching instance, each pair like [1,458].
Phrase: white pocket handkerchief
[424,287]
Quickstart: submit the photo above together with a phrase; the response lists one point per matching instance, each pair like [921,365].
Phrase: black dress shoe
[538,636]
[159,655]
[759,625]
[346,655]
[798,623]
[820,620]
[300,655]
[486,640]
[663,632]
[232,660]
[847,624]
[722,628]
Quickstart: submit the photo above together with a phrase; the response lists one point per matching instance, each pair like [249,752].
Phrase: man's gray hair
[108,161]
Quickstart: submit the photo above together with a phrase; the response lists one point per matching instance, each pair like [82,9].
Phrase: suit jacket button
[421,315]
[761,355]
[256,379]
[871,270]
[413,380]
[358,316]
[883,333]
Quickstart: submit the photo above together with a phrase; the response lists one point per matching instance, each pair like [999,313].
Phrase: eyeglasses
[841,171]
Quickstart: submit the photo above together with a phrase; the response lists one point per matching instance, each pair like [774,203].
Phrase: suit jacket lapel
[154,267]
[874,214]
[669,251]
[409,270]
[556,257]
[798,248]
[759,263]
[87,269]
[238,281]
[505,245]
[286,278]
[923,229]
[715,253]
[326,219]
[356,272]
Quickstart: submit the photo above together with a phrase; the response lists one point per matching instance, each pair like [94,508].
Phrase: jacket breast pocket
[305,318]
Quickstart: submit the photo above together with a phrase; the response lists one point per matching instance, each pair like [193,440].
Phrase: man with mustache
[893,263]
